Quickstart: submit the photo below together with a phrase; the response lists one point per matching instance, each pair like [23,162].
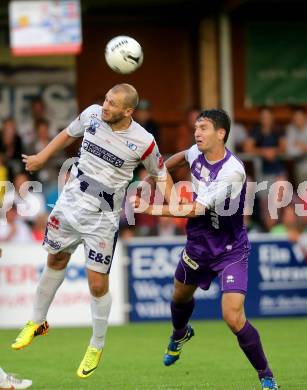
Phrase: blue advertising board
[277,280]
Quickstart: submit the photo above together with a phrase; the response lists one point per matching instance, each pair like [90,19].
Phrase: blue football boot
[269,384]
[174,348]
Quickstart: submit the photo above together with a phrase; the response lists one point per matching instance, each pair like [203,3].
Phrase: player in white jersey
[88,208]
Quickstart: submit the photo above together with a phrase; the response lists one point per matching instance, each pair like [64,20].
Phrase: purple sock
[250,343]
[181,313]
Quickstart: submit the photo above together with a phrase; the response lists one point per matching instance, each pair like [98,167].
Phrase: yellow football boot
[27,333]
[90,362]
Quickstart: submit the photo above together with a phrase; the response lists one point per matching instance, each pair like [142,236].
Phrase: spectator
[166,227]
[3,177]
[38,111]
[14,229]
[185,137]
[297,143]
[42,136]
[238,136]
[11,147]
[29,204]
[145,224]
[49,173]
[288,224]
[39,227]
[267,142]
[143,116]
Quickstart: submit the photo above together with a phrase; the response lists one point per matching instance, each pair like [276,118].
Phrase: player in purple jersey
[217,243]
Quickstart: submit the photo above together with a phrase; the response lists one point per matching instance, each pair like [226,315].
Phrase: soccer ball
[124,54]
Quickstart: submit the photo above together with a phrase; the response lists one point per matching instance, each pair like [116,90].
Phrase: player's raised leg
[51,279]
[100,308]
[248,337]
[182,306]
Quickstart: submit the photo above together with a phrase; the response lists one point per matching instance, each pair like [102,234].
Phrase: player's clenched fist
[32,163]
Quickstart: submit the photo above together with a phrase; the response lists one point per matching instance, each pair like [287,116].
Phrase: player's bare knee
[234,319]
[97,289]
[58,261]
[98,283]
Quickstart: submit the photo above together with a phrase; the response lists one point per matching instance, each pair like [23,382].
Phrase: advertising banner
[271,76]
[277,280]
[45,27]
[151,271]
[20,269]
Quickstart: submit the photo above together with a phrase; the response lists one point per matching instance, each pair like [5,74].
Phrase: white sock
[48,285]
[2,375]
[100,308]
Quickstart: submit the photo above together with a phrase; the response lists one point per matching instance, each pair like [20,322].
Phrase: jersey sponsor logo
[53,223]
[99,257]
[93,126]
[187,259]
[102,153]
[53,244]
[131,145]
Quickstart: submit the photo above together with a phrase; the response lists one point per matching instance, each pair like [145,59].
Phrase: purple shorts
[231,270]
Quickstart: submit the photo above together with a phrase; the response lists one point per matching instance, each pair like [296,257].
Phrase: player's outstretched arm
[36,161]
[176,161]
[186,210]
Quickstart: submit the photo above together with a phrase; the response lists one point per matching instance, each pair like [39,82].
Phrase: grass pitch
[132,358]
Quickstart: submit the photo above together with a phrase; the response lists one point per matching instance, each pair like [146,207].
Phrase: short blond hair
[131,95]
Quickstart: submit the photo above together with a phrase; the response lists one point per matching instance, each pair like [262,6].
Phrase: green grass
[133,358]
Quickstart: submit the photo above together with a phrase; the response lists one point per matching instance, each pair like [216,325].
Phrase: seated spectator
[11,147]
[37,111]
[3,178]
[238,136]
[42,136]
[39,227]
[287,223]
[167,228]
[267,142]
[297,143]
[14,229]
[49,173]
[145,224]
[29,204]
[186,131]
[143,116]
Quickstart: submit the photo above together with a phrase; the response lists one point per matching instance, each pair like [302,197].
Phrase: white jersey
[212,180]
[107,161]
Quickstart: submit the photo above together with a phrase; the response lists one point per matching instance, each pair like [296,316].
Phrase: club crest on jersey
[160,160]
[93,126]
[131,145]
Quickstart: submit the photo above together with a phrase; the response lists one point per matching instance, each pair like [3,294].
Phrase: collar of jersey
[118,131]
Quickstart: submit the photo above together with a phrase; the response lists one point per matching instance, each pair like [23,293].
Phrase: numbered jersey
[221,188]
[107,161]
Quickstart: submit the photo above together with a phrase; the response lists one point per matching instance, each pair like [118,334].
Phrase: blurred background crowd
[240,55]
[271,151]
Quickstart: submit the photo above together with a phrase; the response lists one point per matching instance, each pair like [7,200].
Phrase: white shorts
[67,227]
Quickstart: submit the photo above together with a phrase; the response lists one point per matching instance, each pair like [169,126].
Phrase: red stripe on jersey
[148,151]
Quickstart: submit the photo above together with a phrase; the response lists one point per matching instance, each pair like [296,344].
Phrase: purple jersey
[219,186]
